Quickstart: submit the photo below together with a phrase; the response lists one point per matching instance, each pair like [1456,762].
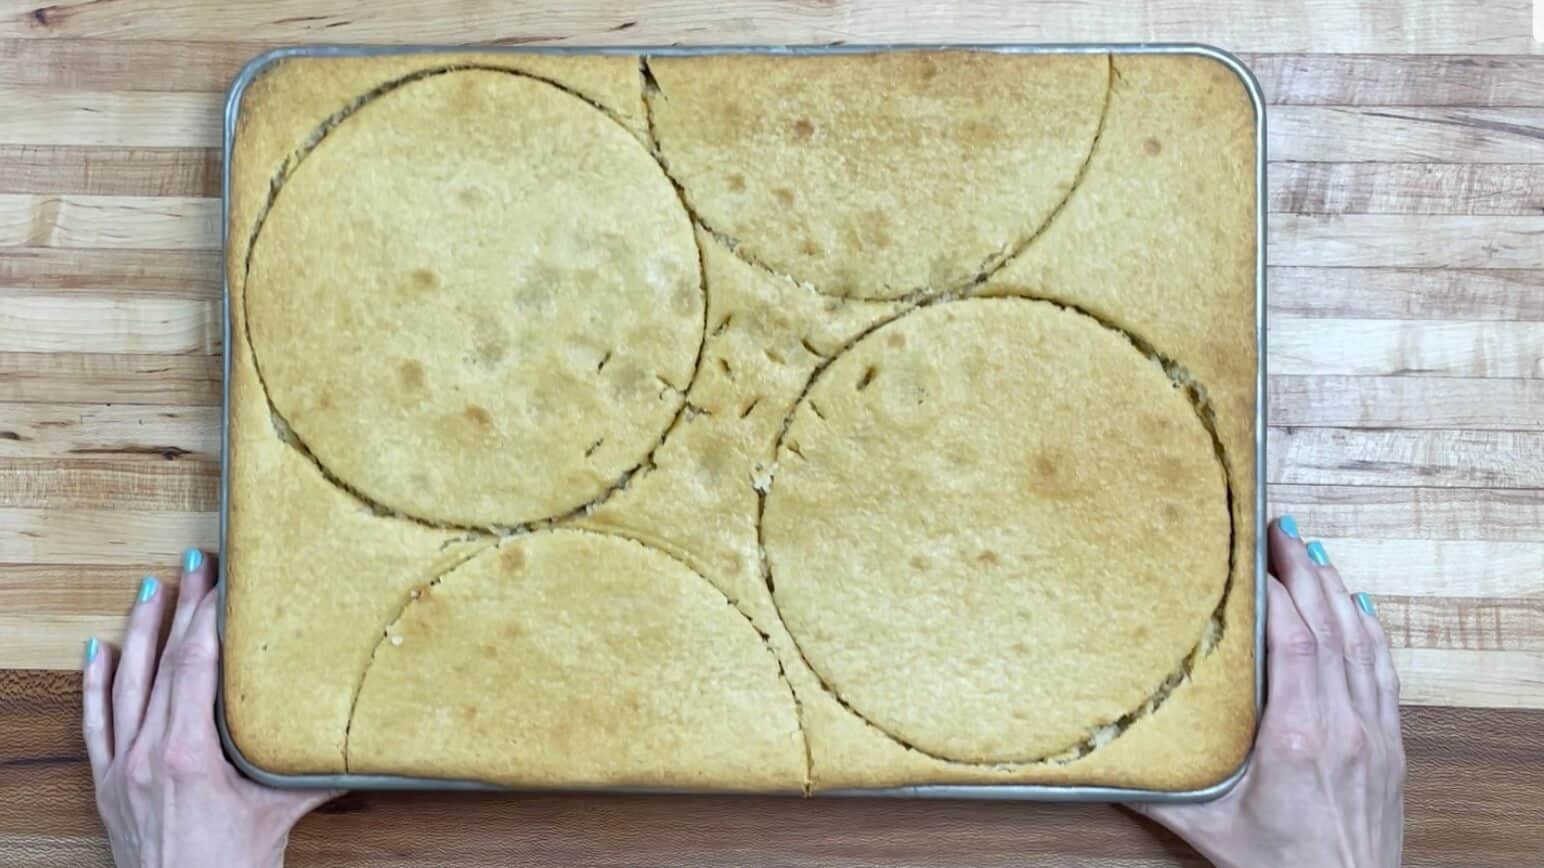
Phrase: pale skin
[1325,787]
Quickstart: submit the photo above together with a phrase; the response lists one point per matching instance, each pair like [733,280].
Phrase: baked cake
[743,421]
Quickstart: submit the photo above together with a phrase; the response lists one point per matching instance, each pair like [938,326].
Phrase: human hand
[164,790]
[1326,785]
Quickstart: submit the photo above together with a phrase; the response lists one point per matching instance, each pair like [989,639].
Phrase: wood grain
[1406,356]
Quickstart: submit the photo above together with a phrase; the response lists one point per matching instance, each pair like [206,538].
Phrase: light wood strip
[1463,623]
[1407,188]
[75,589]
[1496,572]
[1407,402]
[48,640]
[62,169]
[194,273]
[1478,679]
[1299,345]
[1407,293]
[1385,512]
[189,484]
[112,65]
[134,222]
[102,536]
[32,322]
[127,119]
[1399,80]
[1407,241]
[1470,459]
[1413,26]
[1399,134]
[108,431]
[105,378]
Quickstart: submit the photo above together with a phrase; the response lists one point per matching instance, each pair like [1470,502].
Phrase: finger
[1292,653]
[1292,563]
[96,708]
[197,576]
[136,664]
[1356,645]
[195,675]
[1384,674]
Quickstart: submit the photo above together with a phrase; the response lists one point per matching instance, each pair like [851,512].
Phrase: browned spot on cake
[1018,648]
[808,247]
[411,373]
[469,196]
[895,341]
[1152,146]
[478,415]
[324,402]
[803,129]
[1173,471]
[510,561]
[423,280]
[737,183]
[469,712]
[511,631]
[1171,513]
[489,649]
[927,69]
[784,196]
[490,350]
[918,563]
[989,558]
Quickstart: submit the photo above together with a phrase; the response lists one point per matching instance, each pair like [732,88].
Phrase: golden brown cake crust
[1146,246]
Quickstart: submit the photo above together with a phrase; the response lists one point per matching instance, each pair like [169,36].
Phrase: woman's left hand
[164,789]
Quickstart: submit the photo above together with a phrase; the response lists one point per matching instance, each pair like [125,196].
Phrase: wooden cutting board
[1407,392]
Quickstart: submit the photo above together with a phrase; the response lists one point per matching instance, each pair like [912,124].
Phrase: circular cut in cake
[996,528]
[508,670]
[477,301]
[877,175]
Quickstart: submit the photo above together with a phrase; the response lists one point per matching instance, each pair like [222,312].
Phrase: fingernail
[192,559]
[92,647]
[1364,603]
[147,588]
[1317,554]
[1288,526]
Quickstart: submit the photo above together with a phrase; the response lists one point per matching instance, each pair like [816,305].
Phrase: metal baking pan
[1010,792]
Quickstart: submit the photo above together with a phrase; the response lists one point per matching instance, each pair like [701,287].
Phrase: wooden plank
[128,432]
[1299,345]
[127,119]
[1340,456]
[1399,80]
[1407,402]
[75,588]
[111,65]
[1407,188]
[1406,293]
[190,484]
[1471,797]
[102,536]
[1406,241]
[1397,134]
[1479,679]
[1412,26]
[61,169]
[1384,511]
[1503,573]
[134,222]
[1465,623]
[105,378]
[173,272]
[44,322]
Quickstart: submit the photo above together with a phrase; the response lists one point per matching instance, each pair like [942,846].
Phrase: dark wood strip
[66,169]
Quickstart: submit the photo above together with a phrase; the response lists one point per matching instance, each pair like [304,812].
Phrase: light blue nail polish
[1288,526]
[192,559]
[92,647]
[1364,603]
[1317,554]
[147,588]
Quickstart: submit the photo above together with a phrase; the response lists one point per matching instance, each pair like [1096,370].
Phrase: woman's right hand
[1326,785]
